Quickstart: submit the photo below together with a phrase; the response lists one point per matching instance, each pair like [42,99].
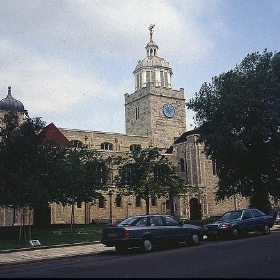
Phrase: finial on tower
[151,27]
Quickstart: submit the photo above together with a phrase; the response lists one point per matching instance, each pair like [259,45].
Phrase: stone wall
[151,121]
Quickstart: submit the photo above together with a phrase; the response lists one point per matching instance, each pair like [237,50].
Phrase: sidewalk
[51,252]
[59,251]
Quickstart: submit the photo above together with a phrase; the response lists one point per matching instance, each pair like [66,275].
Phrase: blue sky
[71,62]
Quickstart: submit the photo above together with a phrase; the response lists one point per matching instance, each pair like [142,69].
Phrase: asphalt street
[41,253]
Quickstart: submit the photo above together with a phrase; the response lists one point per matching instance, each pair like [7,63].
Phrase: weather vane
[151,27]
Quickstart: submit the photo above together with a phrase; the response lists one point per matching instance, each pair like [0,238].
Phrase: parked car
[147,231]
[239,222]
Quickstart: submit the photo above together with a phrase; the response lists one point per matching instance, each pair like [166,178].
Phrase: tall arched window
[153,201]
[138,201]
[101,201]
[118,200]
[167,204]
[106,146]
[182,163]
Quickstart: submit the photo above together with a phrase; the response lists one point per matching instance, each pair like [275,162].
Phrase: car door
[174,231]
[157,228]
[258,219]
[246,224]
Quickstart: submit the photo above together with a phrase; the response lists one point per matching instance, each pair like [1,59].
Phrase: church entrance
[195,209]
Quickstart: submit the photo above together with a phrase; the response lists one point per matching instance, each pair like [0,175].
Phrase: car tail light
[126,233]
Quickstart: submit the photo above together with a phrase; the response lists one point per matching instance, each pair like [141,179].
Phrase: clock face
[168,110]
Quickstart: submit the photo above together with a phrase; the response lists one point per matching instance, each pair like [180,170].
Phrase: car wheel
[235,233]
[195,239]
[147,245]
[266,229]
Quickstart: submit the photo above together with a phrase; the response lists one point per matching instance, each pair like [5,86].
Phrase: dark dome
[11,104]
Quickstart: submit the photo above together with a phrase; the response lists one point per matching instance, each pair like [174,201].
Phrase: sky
[70,62]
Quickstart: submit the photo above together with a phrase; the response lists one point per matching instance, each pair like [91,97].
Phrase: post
[111,214]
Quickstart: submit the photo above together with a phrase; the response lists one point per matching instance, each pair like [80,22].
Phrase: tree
[149,174]
[81,175]
[238,118]
[21,162]
[24,165]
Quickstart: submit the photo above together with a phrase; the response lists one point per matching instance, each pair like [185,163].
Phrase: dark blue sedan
[147,231]
[239,222]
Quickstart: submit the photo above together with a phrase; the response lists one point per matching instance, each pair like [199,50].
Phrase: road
[255,256]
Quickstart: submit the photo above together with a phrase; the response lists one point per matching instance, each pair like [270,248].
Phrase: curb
[48,247]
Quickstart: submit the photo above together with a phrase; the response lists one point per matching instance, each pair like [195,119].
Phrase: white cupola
[152,69]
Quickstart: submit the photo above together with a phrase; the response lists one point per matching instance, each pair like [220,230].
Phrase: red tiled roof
[51,132]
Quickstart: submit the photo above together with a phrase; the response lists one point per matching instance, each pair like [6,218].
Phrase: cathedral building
[155,115]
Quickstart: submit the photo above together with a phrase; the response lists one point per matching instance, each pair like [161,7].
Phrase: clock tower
[155,109]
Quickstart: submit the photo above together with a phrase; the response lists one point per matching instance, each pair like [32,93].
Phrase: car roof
[242,210]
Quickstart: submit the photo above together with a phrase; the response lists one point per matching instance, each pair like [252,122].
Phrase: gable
[51,132]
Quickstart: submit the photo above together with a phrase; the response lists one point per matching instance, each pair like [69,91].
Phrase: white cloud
[61,57]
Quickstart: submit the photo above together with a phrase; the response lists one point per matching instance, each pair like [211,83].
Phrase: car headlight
[224,226]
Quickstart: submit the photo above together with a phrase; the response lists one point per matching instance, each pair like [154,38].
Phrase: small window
[107,146]
[79,204]
[101,202]
[118,201]
[138,201]
[137,113]
[153,201]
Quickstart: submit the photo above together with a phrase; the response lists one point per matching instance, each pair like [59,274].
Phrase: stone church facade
[155,115]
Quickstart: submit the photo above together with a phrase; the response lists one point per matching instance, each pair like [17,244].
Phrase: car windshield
[233,215]
[128,222]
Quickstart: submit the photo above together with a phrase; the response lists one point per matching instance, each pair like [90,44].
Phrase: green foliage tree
[21,163]
[24,174]
[238,118]
[149,174]
[35,171]
[80,177]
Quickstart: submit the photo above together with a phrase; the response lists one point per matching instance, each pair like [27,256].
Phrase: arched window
[106,146]
[167,204]
[118,200]
[76,144]
[182,163]
[135,147]
[154,201]
[101,201]
[137,113]
[138,201]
